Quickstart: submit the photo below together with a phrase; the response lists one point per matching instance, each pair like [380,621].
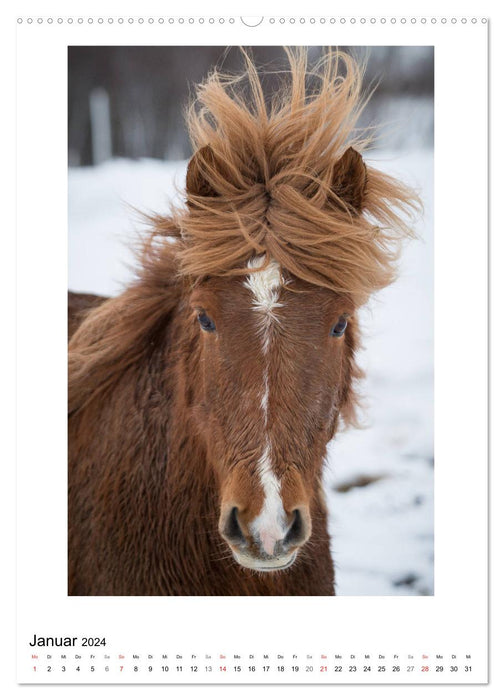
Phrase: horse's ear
[349,179]
[199,170]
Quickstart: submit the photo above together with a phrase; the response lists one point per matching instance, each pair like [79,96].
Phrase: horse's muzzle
[266,565]
[264,550]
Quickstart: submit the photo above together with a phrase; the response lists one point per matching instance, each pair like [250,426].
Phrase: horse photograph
[250,384]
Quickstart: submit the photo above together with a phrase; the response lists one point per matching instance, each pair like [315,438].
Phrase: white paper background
[448,620]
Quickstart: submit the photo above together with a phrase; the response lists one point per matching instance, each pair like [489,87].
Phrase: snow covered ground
[379,480]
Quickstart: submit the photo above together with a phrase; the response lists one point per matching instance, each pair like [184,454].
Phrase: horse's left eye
[339,328]
[206,322]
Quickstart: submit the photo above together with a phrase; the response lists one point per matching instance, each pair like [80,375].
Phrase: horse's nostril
[298,531]
[232,530]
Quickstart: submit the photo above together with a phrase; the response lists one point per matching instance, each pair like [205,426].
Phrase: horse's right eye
[339,328]
[206,322]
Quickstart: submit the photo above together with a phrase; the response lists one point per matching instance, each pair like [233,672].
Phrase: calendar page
[252,355]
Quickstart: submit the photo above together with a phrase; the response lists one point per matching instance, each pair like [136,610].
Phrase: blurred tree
[148,87]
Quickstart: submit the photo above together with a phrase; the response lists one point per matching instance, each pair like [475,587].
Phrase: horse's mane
[269,168]
[116,334]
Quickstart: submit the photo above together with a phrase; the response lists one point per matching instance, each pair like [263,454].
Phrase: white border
[445,620]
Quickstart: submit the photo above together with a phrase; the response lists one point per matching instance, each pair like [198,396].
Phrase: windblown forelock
[272,181]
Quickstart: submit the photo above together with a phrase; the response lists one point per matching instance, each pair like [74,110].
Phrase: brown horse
[201,399]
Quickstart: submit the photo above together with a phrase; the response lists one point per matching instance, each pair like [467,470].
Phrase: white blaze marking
[270,524]
[265,287]
[265,398]
[264,284]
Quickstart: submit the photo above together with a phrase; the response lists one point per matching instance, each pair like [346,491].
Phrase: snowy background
[379,479]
